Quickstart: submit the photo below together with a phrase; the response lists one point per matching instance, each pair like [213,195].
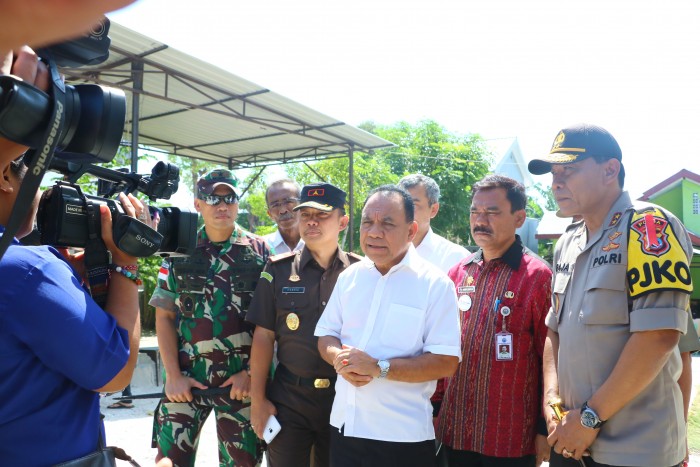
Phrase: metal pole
[351,199]
[137,78]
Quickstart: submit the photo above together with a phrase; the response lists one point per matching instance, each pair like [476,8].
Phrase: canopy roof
[195,109]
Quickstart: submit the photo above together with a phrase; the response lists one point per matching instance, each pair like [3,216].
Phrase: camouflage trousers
[177,426]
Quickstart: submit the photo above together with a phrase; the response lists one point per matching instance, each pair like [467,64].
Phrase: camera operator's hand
[41,22]
[133,207]
[24,64]
[76,260]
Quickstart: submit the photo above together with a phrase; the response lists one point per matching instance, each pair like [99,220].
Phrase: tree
[190,170]
[454,161]
[370,171]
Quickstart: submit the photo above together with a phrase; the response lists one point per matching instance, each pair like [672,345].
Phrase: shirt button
[324,278]
[323,303]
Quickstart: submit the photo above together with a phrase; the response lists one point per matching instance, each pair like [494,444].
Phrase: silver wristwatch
[384,366]
[589,418]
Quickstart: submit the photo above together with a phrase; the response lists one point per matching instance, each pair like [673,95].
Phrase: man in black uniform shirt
[290,297]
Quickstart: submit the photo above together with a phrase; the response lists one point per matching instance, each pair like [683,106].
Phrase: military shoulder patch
[164,269]
[267,276]
[656,259]
[282,256]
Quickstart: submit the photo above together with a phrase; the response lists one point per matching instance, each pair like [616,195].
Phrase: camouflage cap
[577,143]
[208,182]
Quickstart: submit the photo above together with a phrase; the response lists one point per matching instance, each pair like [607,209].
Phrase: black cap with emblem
[321,196]
[577,143]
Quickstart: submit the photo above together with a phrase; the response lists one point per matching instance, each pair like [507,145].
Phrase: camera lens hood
[135,238]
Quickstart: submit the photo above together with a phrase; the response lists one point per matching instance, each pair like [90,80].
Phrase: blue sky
[498,68]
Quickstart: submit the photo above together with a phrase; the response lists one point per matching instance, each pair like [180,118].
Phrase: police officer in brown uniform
[290,297]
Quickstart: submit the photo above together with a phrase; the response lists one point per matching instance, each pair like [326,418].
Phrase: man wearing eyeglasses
[282,196]
[201,302]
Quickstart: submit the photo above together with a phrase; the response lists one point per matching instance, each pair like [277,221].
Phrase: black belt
[288,377]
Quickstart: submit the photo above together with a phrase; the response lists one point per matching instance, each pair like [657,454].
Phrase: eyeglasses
[215,200]
[287,202]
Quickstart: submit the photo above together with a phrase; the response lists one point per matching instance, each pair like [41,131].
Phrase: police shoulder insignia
[615,219]
[656,260]
[281,256]
[267,276]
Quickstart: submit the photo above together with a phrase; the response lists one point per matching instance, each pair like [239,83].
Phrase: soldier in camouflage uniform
[201,302]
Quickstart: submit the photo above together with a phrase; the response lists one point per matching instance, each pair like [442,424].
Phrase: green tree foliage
[370,172]
[454,161]
[545,197]
[190,170]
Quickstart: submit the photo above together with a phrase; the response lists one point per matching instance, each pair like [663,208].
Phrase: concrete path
[131,429]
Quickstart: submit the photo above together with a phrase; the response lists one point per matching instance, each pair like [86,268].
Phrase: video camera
[67,129]
[63,217]
[93,115]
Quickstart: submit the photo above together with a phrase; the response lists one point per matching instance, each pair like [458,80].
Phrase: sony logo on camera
[145,241]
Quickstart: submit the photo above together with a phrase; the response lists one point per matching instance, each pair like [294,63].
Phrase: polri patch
[293,289]
[657,261]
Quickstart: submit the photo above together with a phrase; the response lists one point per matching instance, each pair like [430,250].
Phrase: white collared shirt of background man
[276,241]
[409,311]
[440,251]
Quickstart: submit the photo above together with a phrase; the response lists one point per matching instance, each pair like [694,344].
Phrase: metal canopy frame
[182,105]
[179,104]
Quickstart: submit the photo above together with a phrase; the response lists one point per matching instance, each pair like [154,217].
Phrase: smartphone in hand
[272,427]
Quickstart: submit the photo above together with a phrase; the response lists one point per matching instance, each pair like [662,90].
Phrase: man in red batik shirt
[491,408]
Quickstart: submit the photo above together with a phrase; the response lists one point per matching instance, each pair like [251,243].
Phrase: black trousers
[303,413]
[347,451]
[459,458]
[557,460]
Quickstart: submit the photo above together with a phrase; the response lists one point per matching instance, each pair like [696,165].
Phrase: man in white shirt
[390,329]
[282,196]
[426,201]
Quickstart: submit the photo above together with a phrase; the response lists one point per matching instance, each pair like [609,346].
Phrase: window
[696,204]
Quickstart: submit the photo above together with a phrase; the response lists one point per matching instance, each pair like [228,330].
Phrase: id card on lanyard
[504,339]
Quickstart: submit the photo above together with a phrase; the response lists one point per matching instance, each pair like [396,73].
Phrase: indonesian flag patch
[164,270]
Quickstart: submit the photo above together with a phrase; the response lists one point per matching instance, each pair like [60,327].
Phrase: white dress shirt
[409,311]
[276,241]
[441,252]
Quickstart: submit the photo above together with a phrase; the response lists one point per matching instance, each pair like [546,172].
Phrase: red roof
[670,181]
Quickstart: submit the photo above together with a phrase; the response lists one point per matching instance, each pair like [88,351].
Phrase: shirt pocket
[558,293]
[403,327]
[605,298]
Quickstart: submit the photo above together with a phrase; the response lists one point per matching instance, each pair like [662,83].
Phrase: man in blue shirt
[58,348]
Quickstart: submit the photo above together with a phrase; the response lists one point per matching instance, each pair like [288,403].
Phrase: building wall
[691,209]
[671,200]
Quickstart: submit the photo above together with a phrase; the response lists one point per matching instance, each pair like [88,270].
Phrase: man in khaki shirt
[619,306]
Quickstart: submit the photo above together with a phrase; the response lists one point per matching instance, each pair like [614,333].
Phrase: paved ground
[131,428]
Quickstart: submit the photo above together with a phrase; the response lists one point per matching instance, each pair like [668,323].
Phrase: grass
[694,427]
